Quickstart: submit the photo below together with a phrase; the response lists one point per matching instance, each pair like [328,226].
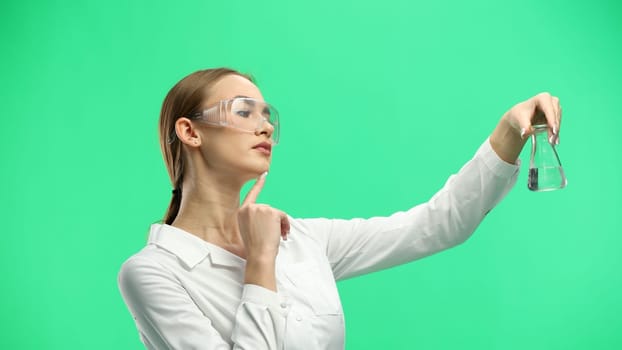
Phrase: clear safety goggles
[242,113]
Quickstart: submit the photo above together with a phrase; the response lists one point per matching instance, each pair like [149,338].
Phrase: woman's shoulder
[151,258]
[314,229]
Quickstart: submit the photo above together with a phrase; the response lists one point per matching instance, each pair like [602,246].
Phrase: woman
[220,275]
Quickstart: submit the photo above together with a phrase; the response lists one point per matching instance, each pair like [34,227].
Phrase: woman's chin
[253,167]
[255,172]
[261,166]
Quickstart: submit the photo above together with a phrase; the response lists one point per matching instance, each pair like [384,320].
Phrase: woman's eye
[244,114]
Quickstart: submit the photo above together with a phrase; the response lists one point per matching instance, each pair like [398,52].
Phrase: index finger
[545,102]
[253,193]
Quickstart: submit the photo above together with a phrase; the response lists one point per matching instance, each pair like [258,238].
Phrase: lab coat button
[298,318]
[283,305]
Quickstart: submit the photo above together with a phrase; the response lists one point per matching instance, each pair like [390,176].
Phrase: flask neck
[540,133]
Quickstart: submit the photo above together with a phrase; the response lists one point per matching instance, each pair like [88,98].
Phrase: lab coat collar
[190,249]
[186,246]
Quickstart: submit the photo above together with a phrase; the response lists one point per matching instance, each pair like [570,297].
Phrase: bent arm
[167,318]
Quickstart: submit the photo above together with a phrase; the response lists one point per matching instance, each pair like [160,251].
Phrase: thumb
[285,227]
[525,128]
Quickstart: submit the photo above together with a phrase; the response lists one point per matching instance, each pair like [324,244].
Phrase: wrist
[506,141]
[265,258]
[260,270]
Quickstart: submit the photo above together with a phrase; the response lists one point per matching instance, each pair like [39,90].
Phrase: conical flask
[545,169]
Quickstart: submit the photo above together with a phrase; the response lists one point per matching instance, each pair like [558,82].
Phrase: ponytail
[173,207]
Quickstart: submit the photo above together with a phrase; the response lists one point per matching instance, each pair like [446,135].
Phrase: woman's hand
[515,126]
[261,227]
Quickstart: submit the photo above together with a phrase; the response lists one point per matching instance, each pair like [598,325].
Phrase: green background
[380,102]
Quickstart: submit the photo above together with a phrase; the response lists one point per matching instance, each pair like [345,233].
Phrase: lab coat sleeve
[358,246]
[167,318]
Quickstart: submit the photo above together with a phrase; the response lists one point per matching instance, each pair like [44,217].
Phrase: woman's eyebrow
[249,102]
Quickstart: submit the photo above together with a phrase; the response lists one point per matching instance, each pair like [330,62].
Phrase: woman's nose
[265,127]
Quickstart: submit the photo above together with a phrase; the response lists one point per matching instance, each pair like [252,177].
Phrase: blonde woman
[220,275]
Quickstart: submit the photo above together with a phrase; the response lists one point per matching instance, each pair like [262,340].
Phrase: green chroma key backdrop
[380,101]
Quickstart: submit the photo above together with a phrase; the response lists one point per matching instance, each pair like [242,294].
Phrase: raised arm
[359,246]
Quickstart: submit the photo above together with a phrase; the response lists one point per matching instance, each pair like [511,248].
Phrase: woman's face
[229,151]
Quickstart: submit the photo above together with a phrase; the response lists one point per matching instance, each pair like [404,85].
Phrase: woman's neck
[209,211]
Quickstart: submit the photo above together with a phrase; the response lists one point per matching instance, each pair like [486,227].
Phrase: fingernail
[522,133]
[556,140]
[264,174]
[551,141]
[555,130]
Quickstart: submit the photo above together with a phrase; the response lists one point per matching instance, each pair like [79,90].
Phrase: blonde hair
[185,98]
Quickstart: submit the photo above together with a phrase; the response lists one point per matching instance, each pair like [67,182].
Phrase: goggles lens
[243,113]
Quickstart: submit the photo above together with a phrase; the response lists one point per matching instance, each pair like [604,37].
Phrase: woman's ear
[187,133]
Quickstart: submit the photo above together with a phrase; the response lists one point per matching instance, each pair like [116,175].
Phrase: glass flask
[545,169]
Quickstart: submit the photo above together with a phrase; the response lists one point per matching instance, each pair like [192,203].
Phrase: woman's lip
[263,150]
